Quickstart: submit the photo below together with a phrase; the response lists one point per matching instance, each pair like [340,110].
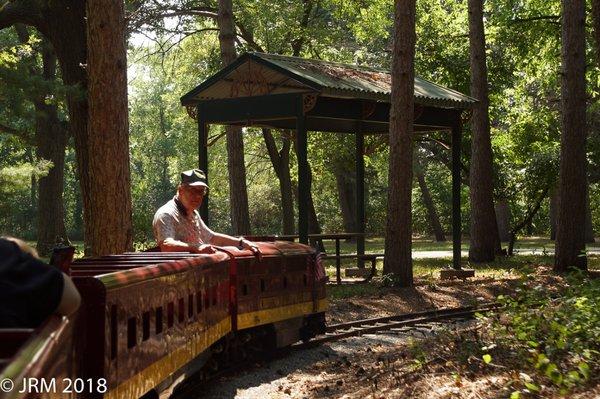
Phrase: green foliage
[554,333]
[21,83]
[15,181]
[19,176]
[523,57]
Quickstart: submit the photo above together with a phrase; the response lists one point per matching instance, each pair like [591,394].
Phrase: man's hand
[205,249]
[252,247]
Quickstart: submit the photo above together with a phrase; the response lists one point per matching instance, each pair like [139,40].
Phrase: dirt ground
[425,295]
[390,365]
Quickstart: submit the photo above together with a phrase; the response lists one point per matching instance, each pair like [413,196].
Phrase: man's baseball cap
[194,177]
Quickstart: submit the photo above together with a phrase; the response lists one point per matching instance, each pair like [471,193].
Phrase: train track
[336,332]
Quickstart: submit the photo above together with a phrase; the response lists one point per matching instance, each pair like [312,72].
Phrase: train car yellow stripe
[154,374]
[158,371]
[266,316]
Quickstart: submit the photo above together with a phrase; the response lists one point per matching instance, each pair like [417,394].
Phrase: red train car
[149,319]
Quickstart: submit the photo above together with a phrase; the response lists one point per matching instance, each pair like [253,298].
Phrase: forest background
[173,46]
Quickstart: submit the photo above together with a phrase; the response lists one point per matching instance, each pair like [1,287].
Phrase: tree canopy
[173,45]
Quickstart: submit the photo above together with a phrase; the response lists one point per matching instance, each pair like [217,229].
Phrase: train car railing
[146,318]
[149,315]
[39,363]
[281,287]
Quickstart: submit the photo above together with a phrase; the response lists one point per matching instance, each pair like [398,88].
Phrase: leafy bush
[553,332]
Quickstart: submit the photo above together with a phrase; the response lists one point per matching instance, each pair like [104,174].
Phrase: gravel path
[296,375]
[318,372]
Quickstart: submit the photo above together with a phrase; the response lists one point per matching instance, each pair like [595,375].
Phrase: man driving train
[178,227]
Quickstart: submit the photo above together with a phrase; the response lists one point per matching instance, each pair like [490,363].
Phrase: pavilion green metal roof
[338,80]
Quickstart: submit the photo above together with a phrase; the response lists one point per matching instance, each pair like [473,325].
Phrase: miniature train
[149,319]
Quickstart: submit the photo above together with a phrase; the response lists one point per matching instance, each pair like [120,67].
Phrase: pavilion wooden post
[303,186]
[360,195]
[203,158]
[456,218]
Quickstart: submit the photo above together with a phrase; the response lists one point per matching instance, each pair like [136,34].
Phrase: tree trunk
[589,227]
[166,188]
[529,215]
[485,241]
[109,225]
[281,164]
[33,192]
[33,195]
[281,159]
[78,225]
[553,211]
[503,218]
[313,222]
[596,25]
[51,141]
[434,219]
[64,24]
[238,192]
[398,236]
[572,186]
[346,193]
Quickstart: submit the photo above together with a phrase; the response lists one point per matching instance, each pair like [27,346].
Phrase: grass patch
[500,268]
[377,245]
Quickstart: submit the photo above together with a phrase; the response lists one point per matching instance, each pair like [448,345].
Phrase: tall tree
[109,227]
[553,209]
[398,235]
[503,219]
[346,187]
[484,231]
[589,226]
[572,184]
[596,27]
[238,192]
[280,159]
[64,24]
[314,226]
[51,141]
[434,219]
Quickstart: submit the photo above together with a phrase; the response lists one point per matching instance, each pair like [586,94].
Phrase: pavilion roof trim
[262,73]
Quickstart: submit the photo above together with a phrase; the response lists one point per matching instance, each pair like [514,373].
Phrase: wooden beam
[456,217]
[328,115]
[376,112]
[203,160]
[360,194]
[303,180]
[247,109]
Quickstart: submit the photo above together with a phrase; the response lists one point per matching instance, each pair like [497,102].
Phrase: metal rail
[367,326]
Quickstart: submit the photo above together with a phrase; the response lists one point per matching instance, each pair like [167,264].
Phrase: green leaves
[584,369]
[487,358]
[558,335]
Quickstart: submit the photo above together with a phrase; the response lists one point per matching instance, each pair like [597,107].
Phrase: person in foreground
[178,227]
[31,290]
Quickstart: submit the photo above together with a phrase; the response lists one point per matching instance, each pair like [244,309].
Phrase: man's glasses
[198,190]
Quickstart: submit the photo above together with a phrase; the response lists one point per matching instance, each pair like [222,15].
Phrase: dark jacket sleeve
[30,290]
